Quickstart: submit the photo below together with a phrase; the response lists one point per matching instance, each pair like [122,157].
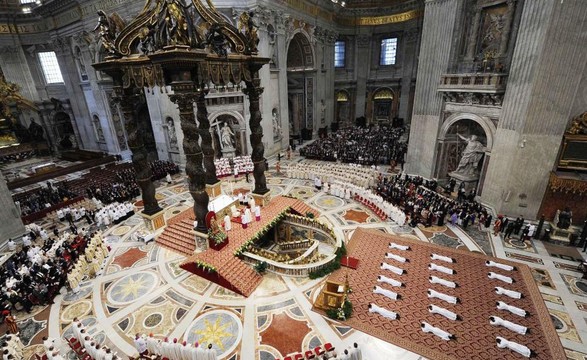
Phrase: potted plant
[217,239]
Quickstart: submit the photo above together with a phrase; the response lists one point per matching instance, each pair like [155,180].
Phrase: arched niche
[384,104]
[343,108]
[301,85]
[64,131]
[237,123]
[450,147]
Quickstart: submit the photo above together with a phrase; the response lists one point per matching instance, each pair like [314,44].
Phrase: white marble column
[549,61]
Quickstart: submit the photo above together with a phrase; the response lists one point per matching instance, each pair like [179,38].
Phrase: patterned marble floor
[142,290]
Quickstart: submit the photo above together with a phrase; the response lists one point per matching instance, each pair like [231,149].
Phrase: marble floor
[142,289]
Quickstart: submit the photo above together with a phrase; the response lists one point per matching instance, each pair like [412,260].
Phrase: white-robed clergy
[227,223]
[444,335]
[433,309]
[519,348]
[497,321]
[390,281]
[373,308]
[388,293]
[500,277]
[210,354]
[153,345]
[448,298]
[356,353]
[511,293]
[514,310]
[500,266]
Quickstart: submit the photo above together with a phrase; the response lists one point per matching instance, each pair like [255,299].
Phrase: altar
[221,205]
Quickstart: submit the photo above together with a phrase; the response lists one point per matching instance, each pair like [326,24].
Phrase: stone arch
[384,104]
[238,125]
[303,57]
[483,121]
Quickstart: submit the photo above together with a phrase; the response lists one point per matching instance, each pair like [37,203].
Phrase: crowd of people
[105,185]
[421,202]
[365,146]
[44,197]
[34,274]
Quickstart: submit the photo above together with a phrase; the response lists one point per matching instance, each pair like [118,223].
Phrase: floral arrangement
[343,312]
[217,236]
[244,247]
[205,266]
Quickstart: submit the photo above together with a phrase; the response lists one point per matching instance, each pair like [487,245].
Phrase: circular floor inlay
[153,320]
[121,230]
[132,287]
[329,202]
[78,309]
[220,328]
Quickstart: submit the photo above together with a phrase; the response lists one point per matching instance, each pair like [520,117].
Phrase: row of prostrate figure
[434,309]
[153,348]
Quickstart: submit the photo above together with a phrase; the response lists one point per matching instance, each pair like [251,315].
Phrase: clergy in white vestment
[153,345]
[383,312]
[186,351]
[388,293]
[433,309]
[210,353]
[519,348]
[497,321]
[511,293]
[227,223]
[514,310]
[140,344]
[444,335]
[356,353]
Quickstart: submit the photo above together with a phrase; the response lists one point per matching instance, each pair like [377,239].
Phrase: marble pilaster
[543,87]
[440,21]
[11,223]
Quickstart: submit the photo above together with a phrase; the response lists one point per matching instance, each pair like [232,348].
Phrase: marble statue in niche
[471,156]
[172,135]
[227,136]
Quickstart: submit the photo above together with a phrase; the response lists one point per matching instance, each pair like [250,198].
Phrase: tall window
[388,51]
[50,67]
[339,53]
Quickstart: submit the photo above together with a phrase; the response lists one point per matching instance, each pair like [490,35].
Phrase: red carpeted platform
[475,338]
[232,273]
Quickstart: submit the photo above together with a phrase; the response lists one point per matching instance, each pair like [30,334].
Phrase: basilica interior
[293,179]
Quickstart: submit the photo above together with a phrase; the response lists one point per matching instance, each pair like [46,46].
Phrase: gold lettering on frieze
[22,28]
[381,20]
